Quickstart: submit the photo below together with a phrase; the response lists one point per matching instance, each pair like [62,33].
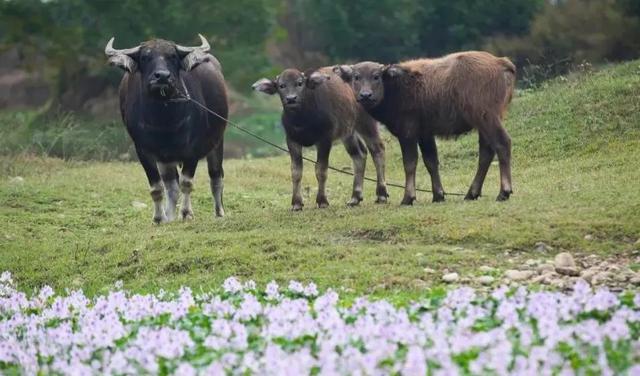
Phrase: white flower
[509,332]
[231,285]
[5,278]
[311,290]
[296,287]
[272,291]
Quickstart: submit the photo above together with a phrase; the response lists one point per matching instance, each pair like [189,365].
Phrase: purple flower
[415,362]
[231,285]
[186,369]
[296,287]
[310,290]
[272,291]
[244,331]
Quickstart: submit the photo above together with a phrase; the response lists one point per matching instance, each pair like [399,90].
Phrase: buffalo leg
[156,189]
[503,149]
[169,175]
[295,151]
[430,157]
[376,148]
[486,154]
[409,160]
[322,165]
[358,153]
[186,186]
[500,141]
[216,177]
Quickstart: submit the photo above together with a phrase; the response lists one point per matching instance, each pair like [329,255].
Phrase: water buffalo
[167,130]
[319,108]
[420,99]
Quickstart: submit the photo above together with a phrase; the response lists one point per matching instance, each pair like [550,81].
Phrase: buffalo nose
[365,94]
[291,98]
[162,75]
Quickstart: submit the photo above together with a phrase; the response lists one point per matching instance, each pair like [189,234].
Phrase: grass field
[576,171]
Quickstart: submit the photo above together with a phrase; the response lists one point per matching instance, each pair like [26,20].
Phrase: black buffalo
[168,130]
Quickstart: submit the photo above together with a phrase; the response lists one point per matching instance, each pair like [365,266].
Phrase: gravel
[450,277]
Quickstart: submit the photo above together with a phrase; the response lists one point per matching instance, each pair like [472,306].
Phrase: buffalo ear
[195,58]
[344,71]
[394,71]
[265,85]
[316,79]
[124,62]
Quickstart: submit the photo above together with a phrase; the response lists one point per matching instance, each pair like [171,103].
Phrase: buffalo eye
[376,77]
[356,77]
[300,83]
[282,86]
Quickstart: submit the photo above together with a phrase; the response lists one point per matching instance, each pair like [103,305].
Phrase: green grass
[63,136]
[576,170]
[72,137]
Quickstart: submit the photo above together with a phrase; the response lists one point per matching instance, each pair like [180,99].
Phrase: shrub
[571,32]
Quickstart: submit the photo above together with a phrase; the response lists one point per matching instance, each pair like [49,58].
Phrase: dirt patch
[184,266]
[376,235]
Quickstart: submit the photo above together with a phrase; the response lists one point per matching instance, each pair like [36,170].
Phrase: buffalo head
[291,85]
[367,79]
[159,63]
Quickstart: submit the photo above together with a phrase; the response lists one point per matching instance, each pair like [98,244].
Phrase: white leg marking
[217,186]
[156,192]
[186,185]
[173,195]
[169,176]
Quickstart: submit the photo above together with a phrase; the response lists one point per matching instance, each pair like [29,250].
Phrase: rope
[285,150]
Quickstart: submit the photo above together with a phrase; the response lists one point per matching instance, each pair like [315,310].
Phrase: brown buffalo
[319,108]
[420,99]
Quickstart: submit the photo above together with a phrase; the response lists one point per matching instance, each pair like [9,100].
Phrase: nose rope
[186,91]
[187,97]
[183,96]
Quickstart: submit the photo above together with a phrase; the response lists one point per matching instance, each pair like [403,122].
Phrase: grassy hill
[576,171]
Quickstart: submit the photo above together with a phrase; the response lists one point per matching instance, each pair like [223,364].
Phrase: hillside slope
[576,168]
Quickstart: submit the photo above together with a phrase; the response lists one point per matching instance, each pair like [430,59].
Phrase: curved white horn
[204,46]
[110,51]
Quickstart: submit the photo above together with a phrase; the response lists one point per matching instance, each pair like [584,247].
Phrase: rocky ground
[561,271]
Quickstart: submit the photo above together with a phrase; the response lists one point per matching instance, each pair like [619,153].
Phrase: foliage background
[58,45]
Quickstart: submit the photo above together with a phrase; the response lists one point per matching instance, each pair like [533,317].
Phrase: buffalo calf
[319,108]
[420,99]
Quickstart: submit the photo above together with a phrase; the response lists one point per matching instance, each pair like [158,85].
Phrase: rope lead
[283,149]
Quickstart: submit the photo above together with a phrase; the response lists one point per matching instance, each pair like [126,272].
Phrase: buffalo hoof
[503,196]
[438,197]
[322,202]
[382,194]
[382,200]
[219,212]
[471,196]
[187,215]
[407,201]
[355,201]
[159,219]
[296,207]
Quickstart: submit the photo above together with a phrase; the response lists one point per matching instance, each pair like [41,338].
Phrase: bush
[73,137]
[572,32]
[63,136]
